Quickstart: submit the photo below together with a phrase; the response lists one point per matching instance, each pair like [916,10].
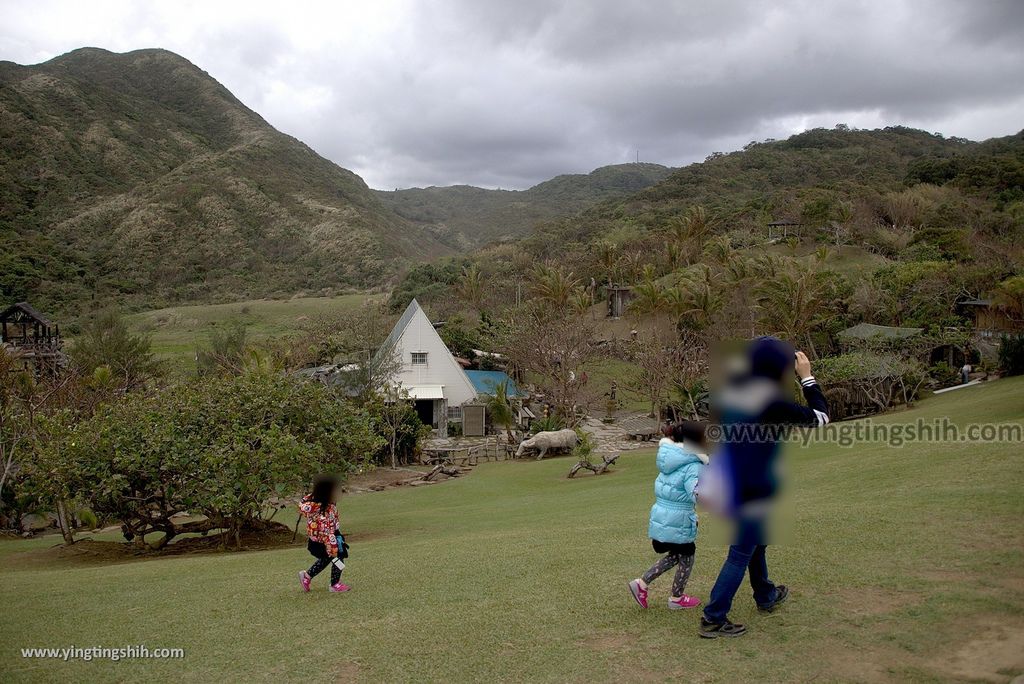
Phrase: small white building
[428,372]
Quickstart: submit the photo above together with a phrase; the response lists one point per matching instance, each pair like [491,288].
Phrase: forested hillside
[482,215]
[137,177]
[891,226]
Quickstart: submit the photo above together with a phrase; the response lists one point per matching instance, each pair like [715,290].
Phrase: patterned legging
[321,563]
[685,564]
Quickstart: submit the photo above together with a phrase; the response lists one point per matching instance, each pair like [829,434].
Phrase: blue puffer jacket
[674,515]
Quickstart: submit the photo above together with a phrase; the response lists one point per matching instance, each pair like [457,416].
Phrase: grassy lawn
[904,564]
[605,371]
[177,331]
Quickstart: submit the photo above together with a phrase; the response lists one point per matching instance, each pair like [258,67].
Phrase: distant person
[673,526]
[325,542]
[965,373]
[752,407]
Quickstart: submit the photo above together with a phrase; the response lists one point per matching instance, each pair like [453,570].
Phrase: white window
[455,413]
[419,358]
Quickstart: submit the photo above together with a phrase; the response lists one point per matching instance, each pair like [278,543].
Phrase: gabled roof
[415,333]
[28,310]
[865,331]
[396,333]
[486,382]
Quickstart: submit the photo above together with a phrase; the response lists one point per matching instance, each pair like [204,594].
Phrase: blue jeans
[739,560]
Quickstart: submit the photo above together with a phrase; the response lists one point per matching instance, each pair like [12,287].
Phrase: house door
[425,411]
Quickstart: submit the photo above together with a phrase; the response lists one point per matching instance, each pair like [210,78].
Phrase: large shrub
[869,381]
[1011,354]
[399,427]
[222,448]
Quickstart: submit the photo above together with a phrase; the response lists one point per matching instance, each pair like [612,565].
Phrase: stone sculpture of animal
[543,441]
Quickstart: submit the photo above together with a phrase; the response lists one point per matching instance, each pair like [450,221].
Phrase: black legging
[685,563]
[321,563]
[323,559]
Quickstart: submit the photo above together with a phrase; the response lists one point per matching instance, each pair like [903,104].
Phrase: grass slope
[904,564]
[176,331]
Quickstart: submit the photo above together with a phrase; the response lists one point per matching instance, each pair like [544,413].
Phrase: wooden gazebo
[31,335]
[783,229]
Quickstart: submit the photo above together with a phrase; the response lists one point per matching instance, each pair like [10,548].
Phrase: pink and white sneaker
[340,586]
[638,592]
[304,580]
[682,602]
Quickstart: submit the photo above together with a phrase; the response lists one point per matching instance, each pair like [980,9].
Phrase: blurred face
[728,361]
[732,361]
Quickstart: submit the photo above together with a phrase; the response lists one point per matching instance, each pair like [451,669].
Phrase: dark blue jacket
[754,415]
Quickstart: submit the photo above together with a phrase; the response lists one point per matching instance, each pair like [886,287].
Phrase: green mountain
[479,216]
[867,184]
[137,177]
[913,222]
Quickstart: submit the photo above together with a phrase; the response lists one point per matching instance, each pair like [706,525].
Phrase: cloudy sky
[507,93]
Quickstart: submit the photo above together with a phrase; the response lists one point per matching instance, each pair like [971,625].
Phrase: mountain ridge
[137,178]
[146,175]
[500,213]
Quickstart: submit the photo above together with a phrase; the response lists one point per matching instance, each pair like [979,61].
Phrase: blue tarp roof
[486,381]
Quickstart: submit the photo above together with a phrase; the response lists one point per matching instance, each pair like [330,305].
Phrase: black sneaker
[781,594]
[713,630]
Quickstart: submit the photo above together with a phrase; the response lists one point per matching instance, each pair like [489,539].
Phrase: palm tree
[472,286]
[648,298]
[649,273]
[580,300]
[795,303]
[673,255]
[738,270]
[553,285]
[503,408]
[700,224]
[720,250]
[608,257]
[696,302]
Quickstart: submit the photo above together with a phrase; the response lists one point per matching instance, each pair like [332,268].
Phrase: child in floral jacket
[325,542]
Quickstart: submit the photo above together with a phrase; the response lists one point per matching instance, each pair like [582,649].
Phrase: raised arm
[815,413]
[812,392]
[307,506]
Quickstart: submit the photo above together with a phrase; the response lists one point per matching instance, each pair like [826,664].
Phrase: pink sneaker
[639,593]
[304,580]
[683,601]
[340,586]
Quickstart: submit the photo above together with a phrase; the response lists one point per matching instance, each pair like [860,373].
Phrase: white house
[428,372]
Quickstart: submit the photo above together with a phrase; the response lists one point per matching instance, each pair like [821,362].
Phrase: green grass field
[177,331]
[904,564]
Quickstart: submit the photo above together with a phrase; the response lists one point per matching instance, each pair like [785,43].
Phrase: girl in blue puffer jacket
[673,528]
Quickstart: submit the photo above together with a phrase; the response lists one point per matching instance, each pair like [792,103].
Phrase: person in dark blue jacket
[754,411]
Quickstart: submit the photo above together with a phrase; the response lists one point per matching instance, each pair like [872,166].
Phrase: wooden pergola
[784,228]
[32,336]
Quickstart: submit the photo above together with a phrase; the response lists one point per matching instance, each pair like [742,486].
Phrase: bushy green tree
[225,351]
[460,339]
[395,420]
[1011,354]
[107,341]
[222,448]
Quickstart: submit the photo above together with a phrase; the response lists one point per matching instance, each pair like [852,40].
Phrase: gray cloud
[506,94]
